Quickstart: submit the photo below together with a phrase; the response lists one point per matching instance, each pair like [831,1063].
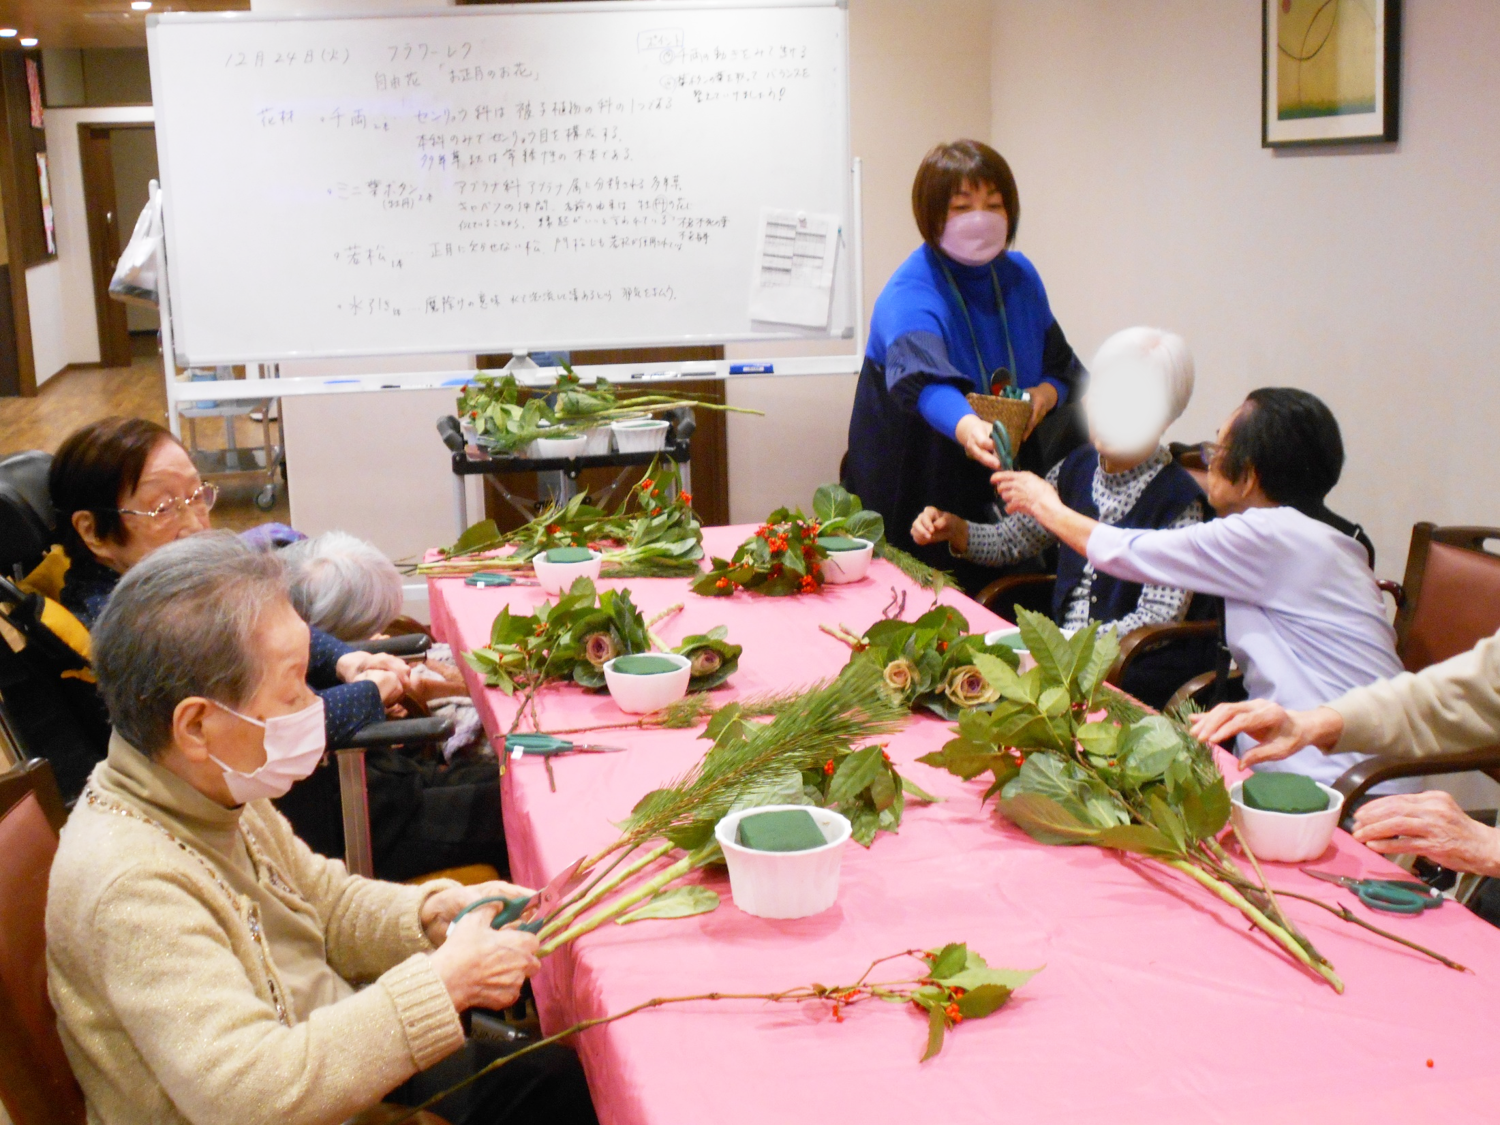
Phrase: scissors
[1393,896]
[541,905]
[492,578]
[547,747]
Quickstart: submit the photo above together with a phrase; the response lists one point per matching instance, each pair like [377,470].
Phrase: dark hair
[1292,441]
[95,467]
[944,170]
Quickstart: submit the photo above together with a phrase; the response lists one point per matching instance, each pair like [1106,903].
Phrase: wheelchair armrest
[1148,638]
[1361,777]
[1394,589]
[406,646]
[1194,686]
[451,433]
[400,732]
[1001,586]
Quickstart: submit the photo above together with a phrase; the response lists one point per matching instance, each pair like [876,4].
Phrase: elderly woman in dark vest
[1142,380]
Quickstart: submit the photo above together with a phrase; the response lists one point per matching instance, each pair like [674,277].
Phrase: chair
[1448,601]
[36,1084]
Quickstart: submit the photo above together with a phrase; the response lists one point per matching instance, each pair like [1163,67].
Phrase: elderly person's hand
[440,909]
[1281,733]
[1429,824]
[974,434]
[391,688]
[352,665]
[1026,494]
[485,968]
[1043,402]
[937,526]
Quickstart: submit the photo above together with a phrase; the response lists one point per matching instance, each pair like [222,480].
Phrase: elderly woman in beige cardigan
[1454,705]
[205,965]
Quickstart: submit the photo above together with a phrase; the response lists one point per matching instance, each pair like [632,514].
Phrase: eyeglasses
[1210,451]
[203,498]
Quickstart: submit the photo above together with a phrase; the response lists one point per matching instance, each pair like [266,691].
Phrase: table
[1156,1004]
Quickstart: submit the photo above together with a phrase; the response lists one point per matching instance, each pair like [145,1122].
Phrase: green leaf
[679,902]
[1048,647]
[1101,659]
[1206,811]
[949,961]
[983,1001]
[981,975]
[866,525]
[1045,820]
[864,824]
[937,1024]
[883,789]
[1147,748]
[963,757]
[915,792]
[1143,839]
[1166,818]
[855,774]
[1003,678]
[482,536]
[1101,740]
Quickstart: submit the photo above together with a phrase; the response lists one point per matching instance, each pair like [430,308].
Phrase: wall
[919,74]
[1366,275]
[70,334]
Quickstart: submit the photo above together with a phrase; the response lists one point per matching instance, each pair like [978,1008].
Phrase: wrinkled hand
[1025,494]
[934,525]
[391,688]
[485,968]
[1432,825]
[1043,402]
[352,665]
[973,433]
[440,909]
[1281,733]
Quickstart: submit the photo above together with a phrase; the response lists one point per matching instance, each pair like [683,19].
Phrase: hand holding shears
[537,909]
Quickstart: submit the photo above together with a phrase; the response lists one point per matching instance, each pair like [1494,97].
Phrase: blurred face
[168,502]
[203,731]
[976,197]
[1127,411]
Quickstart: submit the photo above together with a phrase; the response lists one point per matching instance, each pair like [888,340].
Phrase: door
[104,242]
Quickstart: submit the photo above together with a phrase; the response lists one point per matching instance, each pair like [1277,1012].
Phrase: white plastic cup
[644,435]
[1286,837]
[558,578]
[843,567]
[598,441]
[784,884]
[637,694]
[573,446]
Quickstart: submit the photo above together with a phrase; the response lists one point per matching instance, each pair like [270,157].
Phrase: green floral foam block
[1283,793]
[644,664]
[569,555]
[780,830]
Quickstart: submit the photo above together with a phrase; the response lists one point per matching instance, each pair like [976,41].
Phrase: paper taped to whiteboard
[794,260]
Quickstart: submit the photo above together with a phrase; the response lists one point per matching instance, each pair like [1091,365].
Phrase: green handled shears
[493,578]
[542,905]
[1391,896]
[547,747]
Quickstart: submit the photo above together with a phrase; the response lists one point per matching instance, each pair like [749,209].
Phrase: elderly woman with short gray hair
[1141,383]
[205,965]
[343,585]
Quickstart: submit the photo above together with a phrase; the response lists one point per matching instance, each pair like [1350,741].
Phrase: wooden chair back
[37,1086]
[1452,593]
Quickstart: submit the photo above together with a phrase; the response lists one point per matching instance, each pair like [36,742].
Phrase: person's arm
[324,651]
[999,544]
[1161,605]
[1026,494]
[348,708]
[921,378]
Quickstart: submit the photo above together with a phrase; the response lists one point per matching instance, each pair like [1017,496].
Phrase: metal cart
[260,464]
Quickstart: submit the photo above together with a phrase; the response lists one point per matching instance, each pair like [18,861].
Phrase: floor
[80,395]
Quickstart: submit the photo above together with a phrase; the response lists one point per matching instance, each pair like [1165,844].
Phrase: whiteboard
[538,176]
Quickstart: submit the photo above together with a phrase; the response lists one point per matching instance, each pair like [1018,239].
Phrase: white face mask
[975,238]
[294,746]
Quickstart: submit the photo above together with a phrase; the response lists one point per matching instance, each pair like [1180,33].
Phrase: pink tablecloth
[1156,1004]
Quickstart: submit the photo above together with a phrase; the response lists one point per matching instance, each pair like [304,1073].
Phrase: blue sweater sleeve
[324,653]
[348,709]
[943,405]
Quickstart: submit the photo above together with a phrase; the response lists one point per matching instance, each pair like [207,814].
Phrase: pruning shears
[541,906]
[1391,896]
[493,578]
[548,746]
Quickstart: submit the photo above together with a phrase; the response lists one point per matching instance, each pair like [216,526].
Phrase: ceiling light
[29,41]
[141,5]
[7,32]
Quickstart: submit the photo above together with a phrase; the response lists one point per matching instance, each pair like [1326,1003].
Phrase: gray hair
[343,585]
[182,623]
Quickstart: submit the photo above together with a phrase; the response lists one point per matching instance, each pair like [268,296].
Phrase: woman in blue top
[962,314]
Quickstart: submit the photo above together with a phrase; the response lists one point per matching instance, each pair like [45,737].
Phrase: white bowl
[558,447]
[784,884]
[1286,837]
[640,695]
[557,578]
[1028,662]
[643,435]
[843,567]
[598,441]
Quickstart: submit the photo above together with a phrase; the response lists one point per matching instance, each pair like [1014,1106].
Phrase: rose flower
[967,687]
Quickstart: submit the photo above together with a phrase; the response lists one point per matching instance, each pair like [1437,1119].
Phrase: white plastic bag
[135,274]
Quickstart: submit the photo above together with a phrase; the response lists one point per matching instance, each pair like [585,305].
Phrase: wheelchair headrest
[27,520]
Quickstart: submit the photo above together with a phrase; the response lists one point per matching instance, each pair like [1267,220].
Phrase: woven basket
[1013,413]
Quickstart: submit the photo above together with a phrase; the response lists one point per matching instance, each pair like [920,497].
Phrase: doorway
[118,165]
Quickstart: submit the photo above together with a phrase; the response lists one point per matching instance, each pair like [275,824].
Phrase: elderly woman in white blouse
[1303,615]
[1142,379]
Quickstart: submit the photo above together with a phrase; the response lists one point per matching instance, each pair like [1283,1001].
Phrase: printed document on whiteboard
[794,257]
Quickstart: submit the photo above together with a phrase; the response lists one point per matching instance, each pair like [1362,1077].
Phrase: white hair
[343,585]
[1139,384]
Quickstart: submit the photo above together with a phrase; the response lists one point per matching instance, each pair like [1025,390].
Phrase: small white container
[598,441]
[644,435]
[784,884]
[558,447]
[1028,662]
[843,567]
[640,695]
[556,578]
[1286,837]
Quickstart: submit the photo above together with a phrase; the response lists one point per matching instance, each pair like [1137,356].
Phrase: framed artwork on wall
[1330,71]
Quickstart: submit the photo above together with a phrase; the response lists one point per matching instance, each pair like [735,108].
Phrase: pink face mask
[975,238]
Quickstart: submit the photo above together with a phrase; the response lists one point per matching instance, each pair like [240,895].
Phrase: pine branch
[927,577]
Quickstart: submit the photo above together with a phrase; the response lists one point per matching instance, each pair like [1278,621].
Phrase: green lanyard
[974,336]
